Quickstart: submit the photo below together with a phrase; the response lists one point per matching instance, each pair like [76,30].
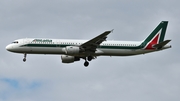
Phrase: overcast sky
[149,77]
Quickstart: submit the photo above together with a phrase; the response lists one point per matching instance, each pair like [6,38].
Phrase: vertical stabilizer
[156,37]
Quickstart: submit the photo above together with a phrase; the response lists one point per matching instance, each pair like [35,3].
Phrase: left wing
[92,44]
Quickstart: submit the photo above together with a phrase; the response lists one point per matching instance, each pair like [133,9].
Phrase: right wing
[92,44]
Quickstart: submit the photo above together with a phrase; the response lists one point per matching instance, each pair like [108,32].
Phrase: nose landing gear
[24,59]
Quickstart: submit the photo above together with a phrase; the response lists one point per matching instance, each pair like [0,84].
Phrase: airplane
[74,50]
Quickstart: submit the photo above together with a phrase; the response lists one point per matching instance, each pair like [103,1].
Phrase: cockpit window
[15,42]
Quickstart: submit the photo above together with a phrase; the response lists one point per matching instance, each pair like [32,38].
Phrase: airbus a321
[74,50]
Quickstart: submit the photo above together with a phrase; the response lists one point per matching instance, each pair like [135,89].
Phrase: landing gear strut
[24,59]
[89,58]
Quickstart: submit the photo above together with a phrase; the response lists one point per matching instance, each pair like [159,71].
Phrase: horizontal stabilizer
[162,44]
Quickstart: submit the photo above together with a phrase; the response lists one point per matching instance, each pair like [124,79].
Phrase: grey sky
[149,77]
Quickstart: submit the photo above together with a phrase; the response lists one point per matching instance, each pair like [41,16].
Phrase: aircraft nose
[8,47]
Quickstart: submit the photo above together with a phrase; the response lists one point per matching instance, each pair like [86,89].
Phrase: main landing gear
[24,59]
[86,63]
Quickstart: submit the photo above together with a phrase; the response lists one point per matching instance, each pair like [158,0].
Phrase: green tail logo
[156,37]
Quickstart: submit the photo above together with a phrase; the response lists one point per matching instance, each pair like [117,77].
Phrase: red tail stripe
[153,42]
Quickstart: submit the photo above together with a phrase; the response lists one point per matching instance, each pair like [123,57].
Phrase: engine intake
[69,59]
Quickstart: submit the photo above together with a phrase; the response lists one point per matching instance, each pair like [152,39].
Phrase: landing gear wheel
[86,63]
[89,58]
[24,59]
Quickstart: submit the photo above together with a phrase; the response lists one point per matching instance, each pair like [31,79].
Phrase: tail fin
[156,37]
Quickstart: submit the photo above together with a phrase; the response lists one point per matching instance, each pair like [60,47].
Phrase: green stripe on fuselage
[120,47]
[44,45]
[62,46]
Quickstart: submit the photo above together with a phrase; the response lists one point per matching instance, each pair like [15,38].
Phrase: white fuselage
[56,46]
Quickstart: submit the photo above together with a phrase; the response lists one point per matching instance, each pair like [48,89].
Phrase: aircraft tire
[86,63]
[24,59]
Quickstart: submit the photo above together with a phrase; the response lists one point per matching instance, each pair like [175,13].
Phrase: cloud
[11,83]
[18,89]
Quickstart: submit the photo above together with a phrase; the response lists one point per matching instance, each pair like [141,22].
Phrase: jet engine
[71,50]
[69,59]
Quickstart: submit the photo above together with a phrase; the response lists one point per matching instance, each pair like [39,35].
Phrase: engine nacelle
[69,59]
[71,50]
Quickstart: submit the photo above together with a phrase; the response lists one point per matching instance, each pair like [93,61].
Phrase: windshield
[15,42]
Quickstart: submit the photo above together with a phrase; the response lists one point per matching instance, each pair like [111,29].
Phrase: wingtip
[112,30]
